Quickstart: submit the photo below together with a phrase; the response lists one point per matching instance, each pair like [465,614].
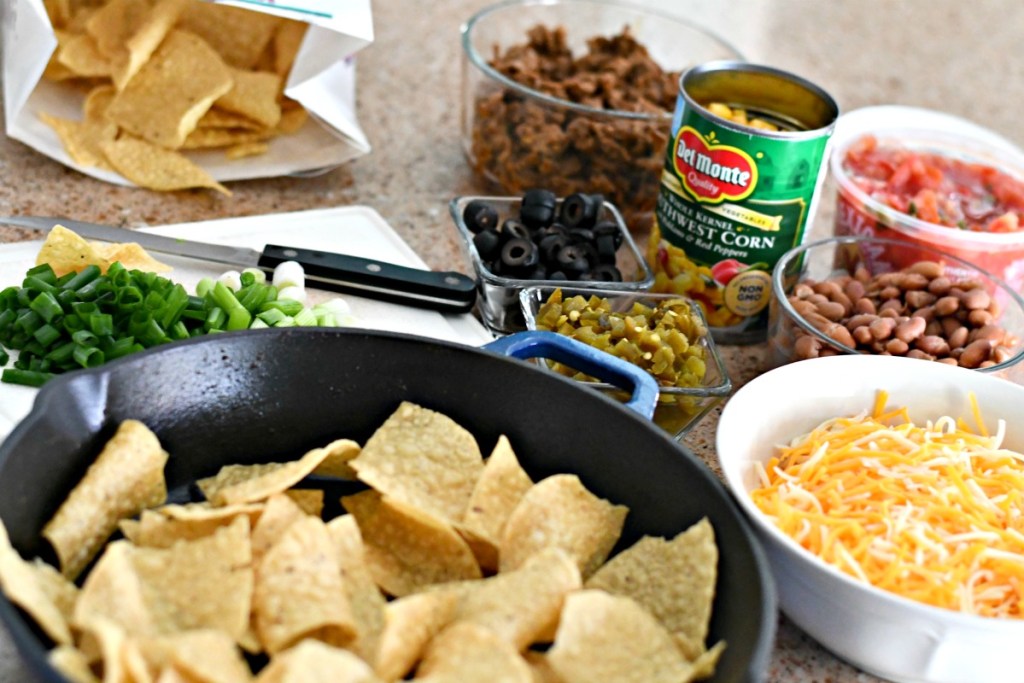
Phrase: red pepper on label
[727,269]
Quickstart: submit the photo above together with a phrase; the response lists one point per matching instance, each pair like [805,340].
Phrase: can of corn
[742,174]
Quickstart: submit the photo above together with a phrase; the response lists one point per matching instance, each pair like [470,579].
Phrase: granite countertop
[962,58]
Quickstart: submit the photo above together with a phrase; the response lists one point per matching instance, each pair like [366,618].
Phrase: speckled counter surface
[963,58]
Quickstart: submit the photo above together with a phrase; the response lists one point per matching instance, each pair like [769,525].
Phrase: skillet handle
[594,362]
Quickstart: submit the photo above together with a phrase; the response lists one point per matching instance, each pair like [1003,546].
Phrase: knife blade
[447,291]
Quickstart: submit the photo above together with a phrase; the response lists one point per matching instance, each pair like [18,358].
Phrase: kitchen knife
[449,292]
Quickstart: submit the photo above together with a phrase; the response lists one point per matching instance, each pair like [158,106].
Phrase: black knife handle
[450,292]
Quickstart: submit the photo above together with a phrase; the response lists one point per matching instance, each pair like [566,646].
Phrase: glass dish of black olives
[579,240]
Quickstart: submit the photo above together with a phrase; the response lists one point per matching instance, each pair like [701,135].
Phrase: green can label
[733,200]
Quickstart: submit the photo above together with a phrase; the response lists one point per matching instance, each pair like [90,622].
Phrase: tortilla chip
[299,590]
[314,662]
[292,117]
[236,484]
[521,605]
[585,526]
[205,656]
[169,94]
[253,95]
[408,549]
[82,140]
[674,580]
[218,118]
[603,637]
[114,23]
[204,138]
[58,11]
[410,623]
[82,57]
[96,103]
[279,513]
[310,500]
[110,640]
[239,36]
[156,168]
[200,584]
[163,527]
[113,593]
[540,667]
[248,149]
[287,41]
[132,256]
[126,478]
[469,652]
[145,40]
[499,489]
[23,584]
[424,459]
[171,674]
[365,598]
[61,592]
[339,454]
[71,664]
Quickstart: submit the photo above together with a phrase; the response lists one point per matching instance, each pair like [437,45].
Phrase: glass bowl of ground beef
[576,95]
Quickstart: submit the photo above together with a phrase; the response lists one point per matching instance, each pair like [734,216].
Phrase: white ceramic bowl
[879,632]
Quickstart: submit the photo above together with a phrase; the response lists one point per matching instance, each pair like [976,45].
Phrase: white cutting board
[354,230]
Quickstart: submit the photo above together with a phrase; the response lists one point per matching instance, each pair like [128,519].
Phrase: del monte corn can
[741,176]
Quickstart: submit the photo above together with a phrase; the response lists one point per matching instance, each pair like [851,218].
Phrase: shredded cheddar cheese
[934,513]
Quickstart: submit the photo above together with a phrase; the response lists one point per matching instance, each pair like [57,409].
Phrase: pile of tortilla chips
[164,76]
[449,568]
[66,251]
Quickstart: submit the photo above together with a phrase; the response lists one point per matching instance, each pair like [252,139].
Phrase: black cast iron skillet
[263,395]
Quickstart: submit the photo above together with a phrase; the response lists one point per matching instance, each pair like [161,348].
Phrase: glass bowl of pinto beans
[934,180]
[665,334]
[868,295]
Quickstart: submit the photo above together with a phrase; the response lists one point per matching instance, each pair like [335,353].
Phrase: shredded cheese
[932,513]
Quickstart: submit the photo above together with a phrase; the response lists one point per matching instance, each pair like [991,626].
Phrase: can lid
[893,116]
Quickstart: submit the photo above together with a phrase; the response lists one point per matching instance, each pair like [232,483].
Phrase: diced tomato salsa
[936,188]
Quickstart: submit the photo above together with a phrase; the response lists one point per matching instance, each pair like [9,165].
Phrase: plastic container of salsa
[934,180]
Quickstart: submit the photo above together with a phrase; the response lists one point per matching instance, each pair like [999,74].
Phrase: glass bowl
[560,135]
[795,333]
[679,407]
[959,141]
[498,301]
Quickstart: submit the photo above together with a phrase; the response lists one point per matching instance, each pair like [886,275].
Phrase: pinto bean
[806,347]
[959,337]
[975,353]
[929,269]
[947,305]
[911,329]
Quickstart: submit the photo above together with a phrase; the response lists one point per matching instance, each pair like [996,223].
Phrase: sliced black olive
[537,208]
[537,197]
[605,249]
[589,252]
[581,235]
[609,228]
[550,245]
[536,216]
[557,275]
[520,255]
[513,229]
[603,273]
[479,215]
[580,210]
[488,244]
[555,229]
[572,260]
[539,272]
